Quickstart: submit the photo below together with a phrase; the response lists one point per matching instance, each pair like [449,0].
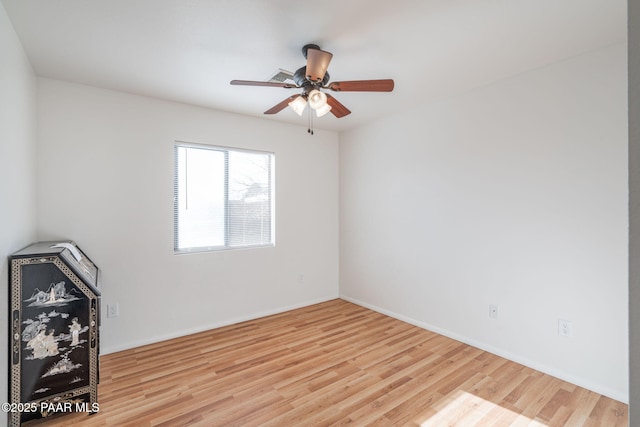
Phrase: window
[223,198]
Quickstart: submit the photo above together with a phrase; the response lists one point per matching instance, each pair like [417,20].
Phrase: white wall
[105,163]
[634,210]
[514,194]
[17,160]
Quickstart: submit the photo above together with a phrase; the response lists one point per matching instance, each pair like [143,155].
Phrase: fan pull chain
[310,129]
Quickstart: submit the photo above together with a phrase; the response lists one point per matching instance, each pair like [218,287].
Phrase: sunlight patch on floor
[465,409]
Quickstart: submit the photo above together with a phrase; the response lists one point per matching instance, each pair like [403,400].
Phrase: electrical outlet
[113,310]
[565,329]
[300,278]
[493,311]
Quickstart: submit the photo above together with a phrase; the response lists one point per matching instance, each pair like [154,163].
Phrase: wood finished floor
[333,363]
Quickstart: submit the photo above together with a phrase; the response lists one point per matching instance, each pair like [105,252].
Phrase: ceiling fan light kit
[317,99]
[313,77]
[323,110]
[298,105]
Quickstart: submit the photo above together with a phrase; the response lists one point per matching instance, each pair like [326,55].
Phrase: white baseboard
[181,333]
[582,382]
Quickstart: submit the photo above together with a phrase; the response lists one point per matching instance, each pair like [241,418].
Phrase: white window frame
[227,227]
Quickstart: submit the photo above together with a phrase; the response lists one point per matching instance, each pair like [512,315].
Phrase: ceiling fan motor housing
[300,77]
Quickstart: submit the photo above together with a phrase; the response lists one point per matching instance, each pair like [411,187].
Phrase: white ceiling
[189,50]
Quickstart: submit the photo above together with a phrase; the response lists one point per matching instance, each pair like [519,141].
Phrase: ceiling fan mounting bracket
[306,47]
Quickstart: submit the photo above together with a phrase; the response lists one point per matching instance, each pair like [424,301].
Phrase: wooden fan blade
[281,106]
[270,84]
[384,85]
[317,64]
[337,109]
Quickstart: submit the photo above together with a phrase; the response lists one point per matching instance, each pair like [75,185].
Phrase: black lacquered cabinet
[54,309]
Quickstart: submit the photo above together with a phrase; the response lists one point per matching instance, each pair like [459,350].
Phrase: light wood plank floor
[333,363]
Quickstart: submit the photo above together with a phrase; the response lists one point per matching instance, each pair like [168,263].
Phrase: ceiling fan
[311,79]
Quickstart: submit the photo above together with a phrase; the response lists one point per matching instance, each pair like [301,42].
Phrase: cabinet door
[54,334]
